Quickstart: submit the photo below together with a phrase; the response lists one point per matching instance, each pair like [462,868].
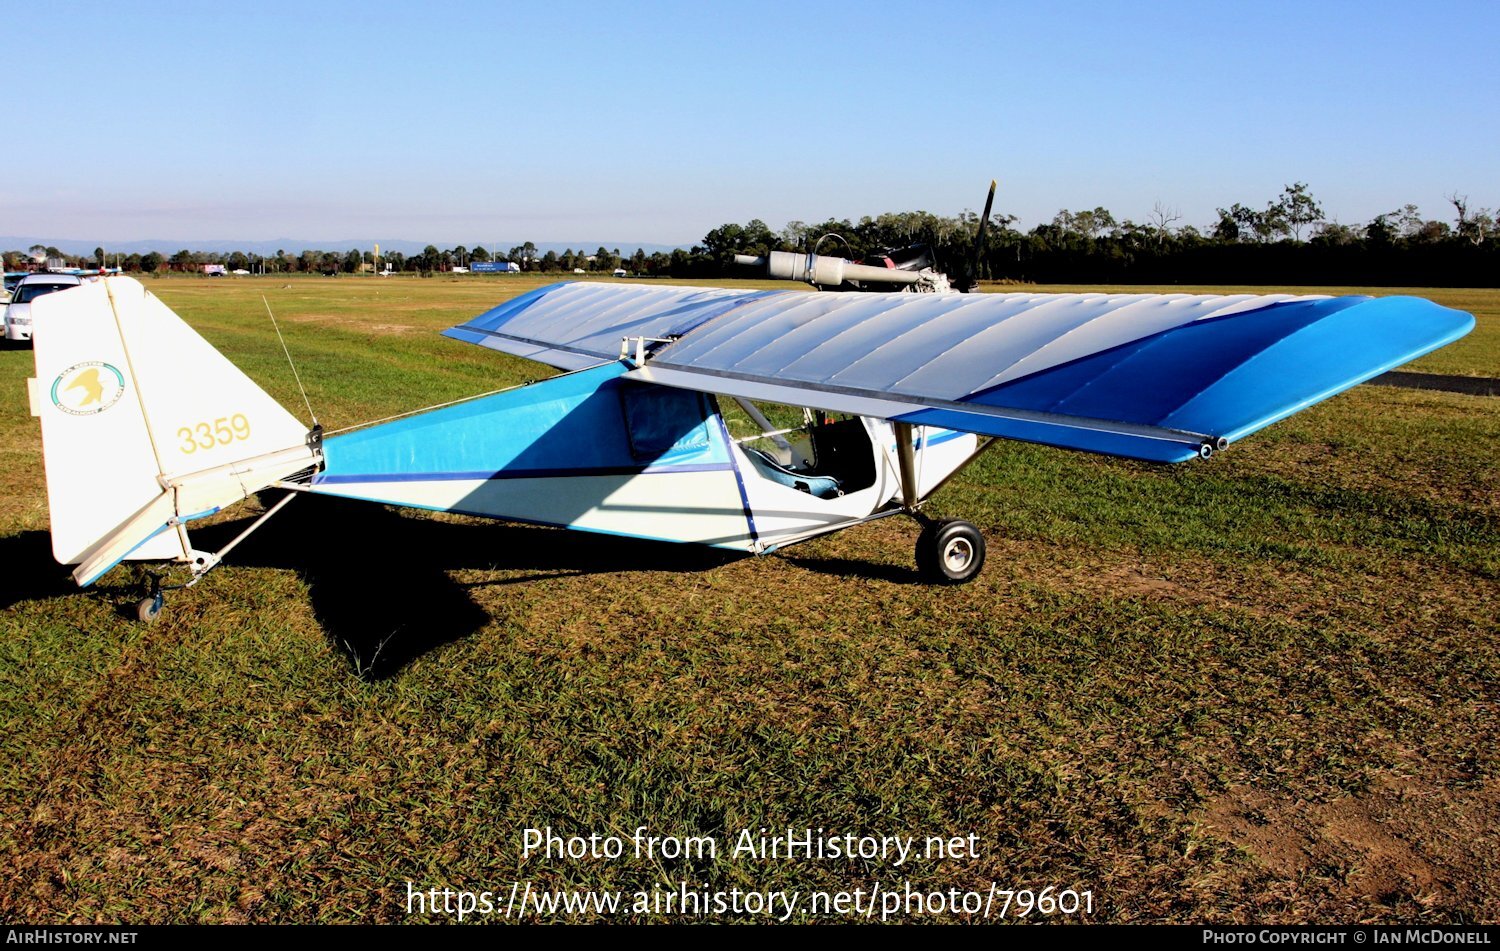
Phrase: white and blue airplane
[146,427]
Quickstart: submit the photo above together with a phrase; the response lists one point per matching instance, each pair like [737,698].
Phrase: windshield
[27,293]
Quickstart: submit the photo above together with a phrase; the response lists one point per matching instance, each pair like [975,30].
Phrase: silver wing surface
[1159,377]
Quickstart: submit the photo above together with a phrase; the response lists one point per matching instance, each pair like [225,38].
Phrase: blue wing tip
[462,332]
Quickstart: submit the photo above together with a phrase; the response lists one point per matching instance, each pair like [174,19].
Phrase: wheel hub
[958,554]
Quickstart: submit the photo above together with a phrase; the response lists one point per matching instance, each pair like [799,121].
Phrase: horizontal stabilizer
[153,519]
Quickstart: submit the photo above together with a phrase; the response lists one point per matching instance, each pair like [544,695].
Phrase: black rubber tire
[950,552]
[926,547]
[148,609]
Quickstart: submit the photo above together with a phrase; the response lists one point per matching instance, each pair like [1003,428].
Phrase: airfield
[1260,688]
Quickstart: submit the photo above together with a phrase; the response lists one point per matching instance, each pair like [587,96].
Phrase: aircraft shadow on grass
[30,573]
[378,580]
[379,583]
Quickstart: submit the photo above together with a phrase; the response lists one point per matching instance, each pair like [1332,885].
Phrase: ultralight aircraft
[147,428]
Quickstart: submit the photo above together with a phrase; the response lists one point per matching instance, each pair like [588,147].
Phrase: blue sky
[476,122]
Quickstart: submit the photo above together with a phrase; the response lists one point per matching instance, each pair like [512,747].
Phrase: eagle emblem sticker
[85,389]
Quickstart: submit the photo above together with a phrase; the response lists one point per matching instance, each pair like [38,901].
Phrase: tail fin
[145,426]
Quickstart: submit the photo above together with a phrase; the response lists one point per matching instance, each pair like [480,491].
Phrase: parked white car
[32,286]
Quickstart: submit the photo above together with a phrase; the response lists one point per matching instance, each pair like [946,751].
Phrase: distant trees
[727,240]
[1476,227]
[604,260]
[1332,233]
[1298,209]
[1162,218]
[1240,222]
[1408,220]
[1089,224]
[524,255]
[1287,240]
[1287,217]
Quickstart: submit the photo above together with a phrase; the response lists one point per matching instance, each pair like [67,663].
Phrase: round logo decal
[84,389]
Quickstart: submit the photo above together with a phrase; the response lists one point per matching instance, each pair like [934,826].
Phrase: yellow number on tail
[223,431]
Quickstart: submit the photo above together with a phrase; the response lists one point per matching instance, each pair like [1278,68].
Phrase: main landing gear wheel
[950,552]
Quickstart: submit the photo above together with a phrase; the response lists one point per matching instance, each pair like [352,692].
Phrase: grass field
[1261,688]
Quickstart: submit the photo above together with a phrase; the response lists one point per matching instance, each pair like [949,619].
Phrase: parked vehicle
[30,287]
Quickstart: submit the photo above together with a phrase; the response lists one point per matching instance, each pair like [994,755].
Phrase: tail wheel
[950,552]
[148,609]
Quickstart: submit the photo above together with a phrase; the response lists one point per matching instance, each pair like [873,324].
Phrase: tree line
[1288,240]
[318,261]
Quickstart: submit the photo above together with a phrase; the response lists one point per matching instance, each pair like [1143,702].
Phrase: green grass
[1262,688]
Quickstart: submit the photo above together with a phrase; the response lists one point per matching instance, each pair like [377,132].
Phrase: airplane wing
[1159,377]
[577,325]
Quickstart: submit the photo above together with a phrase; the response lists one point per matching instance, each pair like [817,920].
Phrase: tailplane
[145,427]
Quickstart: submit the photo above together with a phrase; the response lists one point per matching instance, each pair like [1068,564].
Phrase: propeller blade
[984,222]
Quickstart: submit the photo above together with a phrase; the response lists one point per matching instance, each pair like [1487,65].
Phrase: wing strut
[907,460]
